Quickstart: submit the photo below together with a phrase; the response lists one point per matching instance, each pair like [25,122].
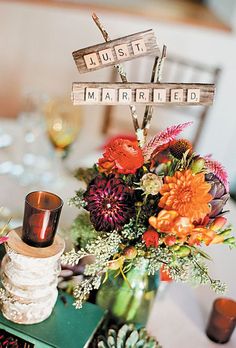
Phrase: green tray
[67,327]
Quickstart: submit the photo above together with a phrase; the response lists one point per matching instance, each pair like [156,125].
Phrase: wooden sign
[116,51]
[142,93]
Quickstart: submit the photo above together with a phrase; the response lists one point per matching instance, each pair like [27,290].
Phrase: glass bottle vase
[129,301]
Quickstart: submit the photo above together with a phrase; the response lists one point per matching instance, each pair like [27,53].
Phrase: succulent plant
[127,337]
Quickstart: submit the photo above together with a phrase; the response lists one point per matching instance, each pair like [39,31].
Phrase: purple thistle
[162,138]
[110,203]
[218,170]
[219,195]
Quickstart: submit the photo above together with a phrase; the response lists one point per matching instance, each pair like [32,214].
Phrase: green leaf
[203,254]
[140,344]
[102,344]
[122,333]
[111,338]
[86,174]
[131,341]
[82,230]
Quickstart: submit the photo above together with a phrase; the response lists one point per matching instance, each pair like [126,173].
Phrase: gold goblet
[63,123]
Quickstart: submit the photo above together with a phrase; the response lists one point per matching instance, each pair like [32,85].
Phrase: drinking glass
[63,122]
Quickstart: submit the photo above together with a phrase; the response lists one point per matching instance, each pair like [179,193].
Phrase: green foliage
[78,199]
[127,337]
[82,231]
[132,230]
[86,174]
[102,248]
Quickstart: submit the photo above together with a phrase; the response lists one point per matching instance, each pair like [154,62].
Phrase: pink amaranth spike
[163,138]
[3,239]
[218,170]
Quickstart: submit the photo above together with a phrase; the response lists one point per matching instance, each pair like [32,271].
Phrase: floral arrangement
[160,202]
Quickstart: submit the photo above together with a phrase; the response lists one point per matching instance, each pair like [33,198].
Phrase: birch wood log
[29,277]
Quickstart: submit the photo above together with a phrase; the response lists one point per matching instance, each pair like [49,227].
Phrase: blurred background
[43,139]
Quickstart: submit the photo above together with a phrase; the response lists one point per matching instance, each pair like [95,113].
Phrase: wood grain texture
[29,276]
[82,57]
[79,94]
[15,242]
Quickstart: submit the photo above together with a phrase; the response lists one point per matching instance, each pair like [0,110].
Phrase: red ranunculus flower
[151,238]
[121,156]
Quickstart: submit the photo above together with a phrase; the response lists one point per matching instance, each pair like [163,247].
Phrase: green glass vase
[129,303]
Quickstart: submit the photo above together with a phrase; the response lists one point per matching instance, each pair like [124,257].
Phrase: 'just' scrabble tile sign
[116,51]
[142,93]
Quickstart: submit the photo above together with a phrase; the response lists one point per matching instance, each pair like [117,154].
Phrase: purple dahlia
[110,203]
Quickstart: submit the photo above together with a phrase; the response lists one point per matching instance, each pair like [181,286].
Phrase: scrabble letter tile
[92,95]
[139,47]
[106,56]
[142,95]
[176,95]
[159,95]
[193,95]
[125,95]
[108,95]
[122,51]
[91,60]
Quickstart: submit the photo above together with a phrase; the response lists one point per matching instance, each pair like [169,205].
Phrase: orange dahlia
[187,194]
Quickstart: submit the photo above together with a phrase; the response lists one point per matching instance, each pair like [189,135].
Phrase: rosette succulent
[127,337]
[110,203]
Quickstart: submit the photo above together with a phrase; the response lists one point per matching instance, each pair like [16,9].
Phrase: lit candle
[41,217]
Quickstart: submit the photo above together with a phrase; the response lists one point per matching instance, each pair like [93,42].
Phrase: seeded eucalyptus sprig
[78,200]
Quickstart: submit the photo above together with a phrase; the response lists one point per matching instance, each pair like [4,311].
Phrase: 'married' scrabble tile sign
[116,51]
[142,93]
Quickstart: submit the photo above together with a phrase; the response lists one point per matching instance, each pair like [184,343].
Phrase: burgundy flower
[110,203]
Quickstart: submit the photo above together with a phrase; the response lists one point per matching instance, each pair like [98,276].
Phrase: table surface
[179,316]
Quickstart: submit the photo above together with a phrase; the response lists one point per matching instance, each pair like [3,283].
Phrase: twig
[149,107]
[156,76]
[161,64]
[120,71]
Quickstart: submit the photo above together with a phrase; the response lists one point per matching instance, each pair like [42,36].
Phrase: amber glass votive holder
[222,320]
[41,217]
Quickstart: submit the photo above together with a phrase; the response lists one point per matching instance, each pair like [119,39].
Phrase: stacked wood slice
[30,276]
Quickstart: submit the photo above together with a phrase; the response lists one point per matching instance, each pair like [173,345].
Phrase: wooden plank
[142,93]
[116,51]
[15,242]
